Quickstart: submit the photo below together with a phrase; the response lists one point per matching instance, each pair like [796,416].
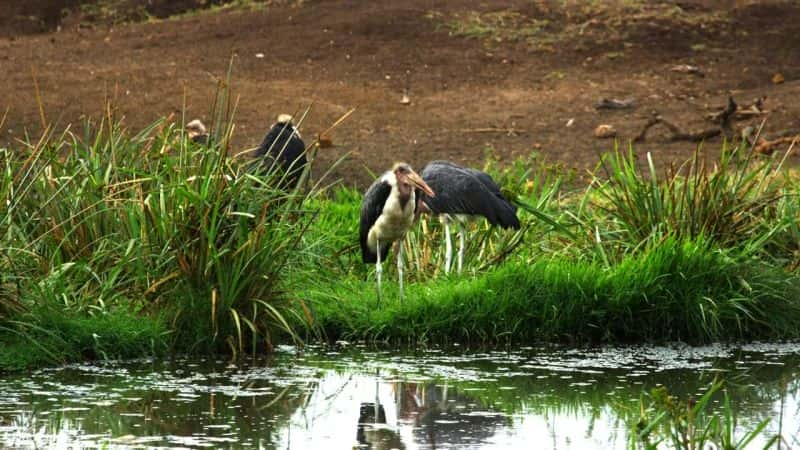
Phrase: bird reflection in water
[433,415]
[373,431]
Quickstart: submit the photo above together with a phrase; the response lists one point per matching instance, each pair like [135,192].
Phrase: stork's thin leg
[378,269]
[461,233]
[400,266]
[448,247]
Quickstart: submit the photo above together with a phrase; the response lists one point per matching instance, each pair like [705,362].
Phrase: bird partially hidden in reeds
[461,193]
[197,132]
[387,212]
[282,153]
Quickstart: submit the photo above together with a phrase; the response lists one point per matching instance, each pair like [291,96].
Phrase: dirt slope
[472,71]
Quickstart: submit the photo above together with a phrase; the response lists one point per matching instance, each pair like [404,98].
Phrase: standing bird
[282,145]
[463,192]
[387,212]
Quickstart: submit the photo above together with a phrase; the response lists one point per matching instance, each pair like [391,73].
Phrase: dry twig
[724,119]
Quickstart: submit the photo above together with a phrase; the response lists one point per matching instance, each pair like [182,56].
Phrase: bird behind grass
[283,153]
[197,131]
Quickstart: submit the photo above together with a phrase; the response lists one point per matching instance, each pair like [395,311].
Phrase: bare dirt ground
[504,75]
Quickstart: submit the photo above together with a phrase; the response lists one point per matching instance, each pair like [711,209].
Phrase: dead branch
[744,112]
[677,133]
[725,128]
[766,147]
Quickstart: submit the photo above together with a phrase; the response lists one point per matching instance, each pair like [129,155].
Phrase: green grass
[51,336]
[673,291]
[692,425]
[705,253]
[106,226]
[728,204]
[149,229]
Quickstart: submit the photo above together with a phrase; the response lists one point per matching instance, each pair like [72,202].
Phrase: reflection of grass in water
[142,400]
[56,431]
[594,395]
[597,396]
[510,384]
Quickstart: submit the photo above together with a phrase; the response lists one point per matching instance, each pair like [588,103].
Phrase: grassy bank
[672,291]
[699,253]
[122,244]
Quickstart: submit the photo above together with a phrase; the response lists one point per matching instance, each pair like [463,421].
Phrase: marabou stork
[462,192]
[387,212]
[197,131]
[282,145]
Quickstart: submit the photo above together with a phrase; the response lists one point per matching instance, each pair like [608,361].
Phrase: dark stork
[462,192]
[387,212]
[283,146]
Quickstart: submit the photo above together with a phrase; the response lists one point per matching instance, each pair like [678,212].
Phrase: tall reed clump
[732,203]
[148,225]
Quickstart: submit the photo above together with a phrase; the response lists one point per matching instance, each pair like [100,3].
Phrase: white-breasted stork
[283,146]
[387,212]
[462,192]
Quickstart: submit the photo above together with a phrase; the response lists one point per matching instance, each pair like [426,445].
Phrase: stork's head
[284,121]
[284,118]
[196,128]
[407,178]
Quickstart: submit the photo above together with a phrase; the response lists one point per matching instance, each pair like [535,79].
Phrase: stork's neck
[404,191]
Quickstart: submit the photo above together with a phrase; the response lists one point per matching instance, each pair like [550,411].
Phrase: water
[551,398]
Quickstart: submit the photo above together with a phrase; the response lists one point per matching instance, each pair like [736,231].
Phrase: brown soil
[473,70]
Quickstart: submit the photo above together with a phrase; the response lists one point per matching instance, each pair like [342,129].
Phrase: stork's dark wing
[460,190]
[371,209]
[281,143]
[271,138]
[494,188]
[483,177]
[294,159]
[487,180]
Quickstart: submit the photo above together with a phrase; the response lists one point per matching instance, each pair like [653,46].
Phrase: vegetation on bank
[119,244]
[670,291]
[698,253]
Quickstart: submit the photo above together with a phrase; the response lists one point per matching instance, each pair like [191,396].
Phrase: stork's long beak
[418,182]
